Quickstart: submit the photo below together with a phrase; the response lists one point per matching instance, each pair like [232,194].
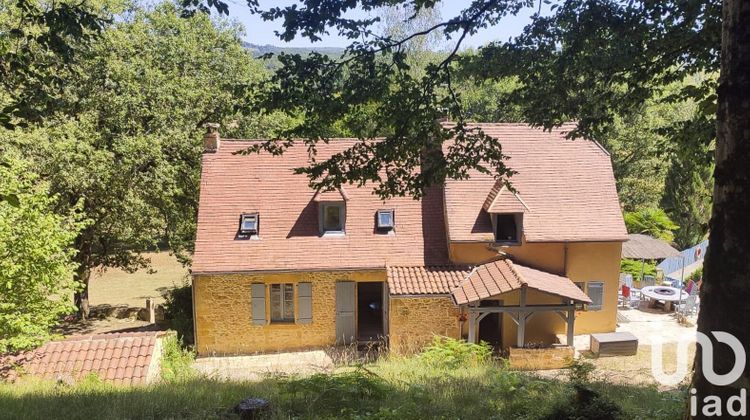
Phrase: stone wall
[415,321]
[556,357]
[223,313]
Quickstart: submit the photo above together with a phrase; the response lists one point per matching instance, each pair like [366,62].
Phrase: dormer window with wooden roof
[331,211]
[506,208]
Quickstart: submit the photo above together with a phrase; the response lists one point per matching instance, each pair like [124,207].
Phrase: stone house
[278,266]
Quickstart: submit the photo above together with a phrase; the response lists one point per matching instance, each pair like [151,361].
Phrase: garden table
[668,294]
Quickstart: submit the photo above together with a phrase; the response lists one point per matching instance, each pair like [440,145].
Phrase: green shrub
[178,312]
[634,267]
[451,353]
[695,275]
[176,362]
[579,371]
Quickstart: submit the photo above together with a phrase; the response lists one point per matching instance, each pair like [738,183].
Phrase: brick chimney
[211,139]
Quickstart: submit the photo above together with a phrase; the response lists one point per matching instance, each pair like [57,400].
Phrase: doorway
[489,326]
[369,311]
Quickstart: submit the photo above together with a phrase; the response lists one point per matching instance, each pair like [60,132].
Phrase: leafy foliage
[128,143]
[451,353]
[178,311]
[651,221]
[634,267]
[36,272]
[176,362]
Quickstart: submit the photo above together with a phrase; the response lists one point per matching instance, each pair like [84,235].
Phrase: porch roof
[425,280]
[503,276]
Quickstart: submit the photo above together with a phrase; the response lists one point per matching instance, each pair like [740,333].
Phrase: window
[385,219]
[282,302]
[507,228]
[332,217]
[596,293]
[249,223]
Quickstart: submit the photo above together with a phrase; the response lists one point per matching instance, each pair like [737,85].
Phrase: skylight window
[386,219]
[249,223]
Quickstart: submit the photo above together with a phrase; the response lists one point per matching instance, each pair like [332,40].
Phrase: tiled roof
[288,237]
[641,246]
[425,280]
[567,185]
[331,195]
[121,358]
[502,200]
[503,276]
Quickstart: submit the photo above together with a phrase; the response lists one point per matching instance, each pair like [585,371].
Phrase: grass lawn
[118,287]
[396,388]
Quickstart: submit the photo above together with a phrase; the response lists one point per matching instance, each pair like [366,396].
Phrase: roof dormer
[331,211]
[506,209]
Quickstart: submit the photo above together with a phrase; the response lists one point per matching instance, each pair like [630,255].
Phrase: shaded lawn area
[399,388]
[118,287]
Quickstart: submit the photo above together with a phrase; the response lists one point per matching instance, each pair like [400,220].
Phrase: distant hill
[259,50]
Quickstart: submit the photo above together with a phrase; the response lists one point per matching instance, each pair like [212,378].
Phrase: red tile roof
[566,190]
[567,186]
[289,239]
[503,276]
[502,200]
[435,280]
[121,358]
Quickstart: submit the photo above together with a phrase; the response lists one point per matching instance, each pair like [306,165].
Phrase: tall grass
[391,387]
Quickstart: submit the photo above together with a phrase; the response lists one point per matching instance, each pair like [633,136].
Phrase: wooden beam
[516,309]
[571,327]
[472,327]
[521,319]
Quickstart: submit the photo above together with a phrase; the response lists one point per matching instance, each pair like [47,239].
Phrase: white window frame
[282,304]
[342,217]
[257,223]
[392,214]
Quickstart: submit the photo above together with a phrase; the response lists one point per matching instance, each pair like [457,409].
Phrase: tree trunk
[81,298]
[725,293]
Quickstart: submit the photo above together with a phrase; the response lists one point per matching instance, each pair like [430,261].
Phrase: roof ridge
[515,272]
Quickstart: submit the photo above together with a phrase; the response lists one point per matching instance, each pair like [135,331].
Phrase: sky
[262,33]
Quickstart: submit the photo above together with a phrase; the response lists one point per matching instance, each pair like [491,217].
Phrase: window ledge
[506,243]
[333,234]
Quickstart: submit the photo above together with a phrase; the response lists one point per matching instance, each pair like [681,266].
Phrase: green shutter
[304,299]
[258,303]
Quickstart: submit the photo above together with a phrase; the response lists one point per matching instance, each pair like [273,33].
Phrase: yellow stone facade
[415,321]
[223,308]
[545,358]
[223,312]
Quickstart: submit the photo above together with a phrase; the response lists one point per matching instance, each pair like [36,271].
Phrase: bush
[634,267]
[451,353]
[695,275]
[176,362]
[178,312]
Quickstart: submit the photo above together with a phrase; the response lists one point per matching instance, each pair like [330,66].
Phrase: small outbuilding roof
[503,276]
[639,246]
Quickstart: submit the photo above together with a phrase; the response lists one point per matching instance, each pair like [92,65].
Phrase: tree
[651,221]
[127,147]
[35,258]
[588,61]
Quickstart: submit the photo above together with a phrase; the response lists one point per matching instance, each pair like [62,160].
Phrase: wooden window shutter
[304,299]
[258,303]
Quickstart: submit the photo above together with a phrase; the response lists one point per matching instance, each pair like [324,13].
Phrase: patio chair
[635,298]
[649,281]
[690,287]
[629,280]
[690,307]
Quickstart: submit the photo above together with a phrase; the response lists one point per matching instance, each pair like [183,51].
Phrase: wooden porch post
[571,327]
[472,327]
[521,319]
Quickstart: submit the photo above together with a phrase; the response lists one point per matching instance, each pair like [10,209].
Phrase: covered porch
[518,293]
